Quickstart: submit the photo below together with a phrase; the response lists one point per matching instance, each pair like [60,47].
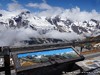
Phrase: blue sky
[86,5]
[51,52]
[71,9]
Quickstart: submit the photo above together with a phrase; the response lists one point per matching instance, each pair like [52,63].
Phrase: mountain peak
[48,27]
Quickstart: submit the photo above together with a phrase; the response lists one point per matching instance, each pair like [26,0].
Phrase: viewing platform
[89,65]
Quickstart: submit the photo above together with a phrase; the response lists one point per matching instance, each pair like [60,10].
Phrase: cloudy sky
[39,5]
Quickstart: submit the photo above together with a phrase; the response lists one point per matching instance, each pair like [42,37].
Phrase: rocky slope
[45,29]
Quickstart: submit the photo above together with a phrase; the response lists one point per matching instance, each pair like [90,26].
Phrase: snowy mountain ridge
[57,27]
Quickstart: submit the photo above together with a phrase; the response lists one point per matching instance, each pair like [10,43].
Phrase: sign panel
[27,60]
[47,56]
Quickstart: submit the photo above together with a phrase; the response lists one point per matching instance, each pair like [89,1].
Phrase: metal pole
[7,61]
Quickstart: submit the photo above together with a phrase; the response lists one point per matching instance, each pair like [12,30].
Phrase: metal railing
[5,52]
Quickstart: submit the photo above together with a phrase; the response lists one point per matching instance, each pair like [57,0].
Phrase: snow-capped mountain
[26,26]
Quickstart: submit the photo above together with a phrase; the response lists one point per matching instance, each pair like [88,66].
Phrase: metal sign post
[7,61]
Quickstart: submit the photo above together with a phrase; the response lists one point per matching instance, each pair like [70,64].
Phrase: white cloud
[40,6]
[14,6]
[63,36]
[73,13]
[47,10]
[9,37]
[76,15]
[51,12]
[43,5]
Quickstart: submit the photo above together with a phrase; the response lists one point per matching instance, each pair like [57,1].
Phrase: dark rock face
[78,29]
[18,21]
[55,20]
[94,20]
[42,40]
[83,29]
[67,22]
[98,26]
[25,23]
[25,13]
[11,23]
[75,29]
[1,15]
[84,21]
[49,20]
[2,23]
[60,28]
[33,27]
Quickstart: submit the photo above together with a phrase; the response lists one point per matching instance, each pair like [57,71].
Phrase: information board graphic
[46,56]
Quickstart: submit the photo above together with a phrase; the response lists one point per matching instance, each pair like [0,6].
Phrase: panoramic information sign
[46,56]
[42,61]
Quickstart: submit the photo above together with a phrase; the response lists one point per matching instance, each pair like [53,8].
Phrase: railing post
[73,44]
[7,61]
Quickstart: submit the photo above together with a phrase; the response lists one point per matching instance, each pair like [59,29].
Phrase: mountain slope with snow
[18,27]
